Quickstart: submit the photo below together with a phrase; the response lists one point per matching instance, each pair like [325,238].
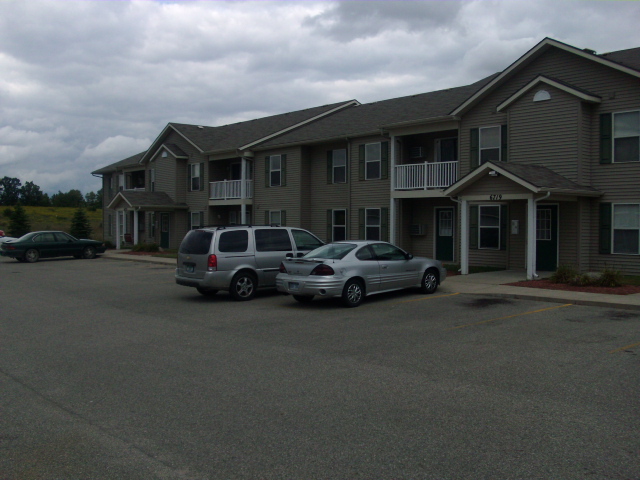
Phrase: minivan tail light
[212,263]
[282,268]
[323,270]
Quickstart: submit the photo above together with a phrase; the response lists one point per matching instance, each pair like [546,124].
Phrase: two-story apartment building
[533,167]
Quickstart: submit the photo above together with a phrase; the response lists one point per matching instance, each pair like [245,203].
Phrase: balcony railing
[423,176]
[230,189]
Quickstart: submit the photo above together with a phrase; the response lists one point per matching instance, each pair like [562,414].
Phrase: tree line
[12,193]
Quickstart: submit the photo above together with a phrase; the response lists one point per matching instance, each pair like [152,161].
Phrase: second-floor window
[337,165]
[195,176]
[275,170]
[626,137]
[490,144]
[372,160]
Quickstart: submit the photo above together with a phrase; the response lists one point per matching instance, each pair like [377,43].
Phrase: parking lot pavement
[110,370]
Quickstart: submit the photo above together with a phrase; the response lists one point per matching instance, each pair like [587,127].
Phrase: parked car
[354,269]
[4,238]
[238,259]
[35,245]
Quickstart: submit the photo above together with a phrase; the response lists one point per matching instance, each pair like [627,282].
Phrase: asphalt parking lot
[110,370]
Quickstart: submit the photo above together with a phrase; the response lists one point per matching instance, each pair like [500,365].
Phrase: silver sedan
[355,269]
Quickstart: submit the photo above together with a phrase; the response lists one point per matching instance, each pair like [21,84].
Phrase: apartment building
[530,168]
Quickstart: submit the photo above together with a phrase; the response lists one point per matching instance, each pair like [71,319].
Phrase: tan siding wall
[489,185]
[568,241]
[422,211]
[517,242]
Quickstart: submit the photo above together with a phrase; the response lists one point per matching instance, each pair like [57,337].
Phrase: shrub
[582,280]
[610,278]
[564,274]
[146,247]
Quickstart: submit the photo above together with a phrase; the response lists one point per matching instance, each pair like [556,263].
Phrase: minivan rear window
[273,240]
[197,242]
[233,241]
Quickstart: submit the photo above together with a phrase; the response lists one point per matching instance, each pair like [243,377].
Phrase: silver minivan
[238,259]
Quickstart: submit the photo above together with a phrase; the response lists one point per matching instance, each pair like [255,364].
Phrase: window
[373,160]
[196,219]
[338,225]
[489,144]
[339,166]
[489,227]
[234,241]
[543,224]
[372,224]
[445,223]
[626,137]
[304,240]
[384,251]
[272,240]
[447,150]
[195,176]
[275,171]
[275,217]
[626,228]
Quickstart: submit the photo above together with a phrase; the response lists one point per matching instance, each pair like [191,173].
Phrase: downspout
[464,248]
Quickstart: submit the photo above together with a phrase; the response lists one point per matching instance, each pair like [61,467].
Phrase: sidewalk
[490,283]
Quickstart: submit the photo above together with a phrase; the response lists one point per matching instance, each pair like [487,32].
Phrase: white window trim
[200,215]
[334,224]
[192,176]
[499,127]
[366,162]
[367,225]
[271,212]
[271,170]
[613,228]
[613,136]
[334,167]
[437,153]
[480,227]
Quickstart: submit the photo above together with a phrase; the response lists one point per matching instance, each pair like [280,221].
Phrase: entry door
[547,238]
[164,230]
[444,234]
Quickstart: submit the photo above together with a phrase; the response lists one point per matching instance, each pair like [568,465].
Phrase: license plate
[294,285]
[189,268]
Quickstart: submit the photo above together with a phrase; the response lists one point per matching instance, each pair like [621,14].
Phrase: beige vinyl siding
[569,228]
[547,132]
[517,242]
[422,211]
[306,188]
[489,185]
[285,197]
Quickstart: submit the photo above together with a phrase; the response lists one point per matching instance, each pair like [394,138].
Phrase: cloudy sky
[87,83]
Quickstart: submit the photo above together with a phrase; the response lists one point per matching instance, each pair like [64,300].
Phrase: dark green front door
[547,238]
[164,230]
[444,234]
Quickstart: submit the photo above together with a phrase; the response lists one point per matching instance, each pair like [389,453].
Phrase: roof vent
[200,126]
[588,50]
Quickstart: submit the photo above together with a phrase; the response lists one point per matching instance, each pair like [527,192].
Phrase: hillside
[55,218]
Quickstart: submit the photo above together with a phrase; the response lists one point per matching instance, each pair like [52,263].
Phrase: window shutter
[473,227]
[329,225]
[283,171]
[267,218]
[329,166]
[605,138]
[384,164]
[605,228]
[474,147]
[361,160]
[361,229]
[503,140]
[504,222]
[267,172]
[384,224]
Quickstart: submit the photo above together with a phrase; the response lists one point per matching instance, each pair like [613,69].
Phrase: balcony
[425,176]
[230,189]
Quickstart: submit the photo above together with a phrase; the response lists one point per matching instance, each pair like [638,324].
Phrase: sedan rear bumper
[310,286]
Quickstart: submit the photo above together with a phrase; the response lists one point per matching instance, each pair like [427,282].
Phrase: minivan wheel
[353,293]
[207,292]
[429,281]
[243,286]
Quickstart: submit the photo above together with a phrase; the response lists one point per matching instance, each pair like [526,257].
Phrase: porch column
[135,226]
[531,238]
[118,213]
[392,221]
[464,237]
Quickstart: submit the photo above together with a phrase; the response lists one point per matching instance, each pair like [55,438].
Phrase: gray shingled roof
[148,199]
[127,162]
[629,58]
[542,177]
[371,117]
[231,137]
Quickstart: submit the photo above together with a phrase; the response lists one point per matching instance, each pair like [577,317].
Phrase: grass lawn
[55,218]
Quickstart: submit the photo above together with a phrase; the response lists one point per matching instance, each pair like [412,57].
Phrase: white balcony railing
[229,189]
[422,176]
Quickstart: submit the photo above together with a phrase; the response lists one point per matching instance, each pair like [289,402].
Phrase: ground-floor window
[196,219]
[626,228]
[275,217]
[338,225]
[372,224]
[489,227]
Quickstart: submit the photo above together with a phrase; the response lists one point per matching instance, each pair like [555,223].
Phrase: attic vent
[416,152]
[541,95]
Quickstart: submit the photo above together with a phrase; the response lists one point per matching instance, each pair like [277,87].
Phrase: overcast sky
[87,83]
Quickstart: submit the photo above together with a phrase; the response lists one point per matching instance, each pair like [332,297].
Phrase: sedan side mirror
[409,256]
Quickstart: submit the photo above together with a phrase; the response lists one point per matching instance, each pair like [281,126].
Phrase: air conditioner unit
[416,152]
[416,229]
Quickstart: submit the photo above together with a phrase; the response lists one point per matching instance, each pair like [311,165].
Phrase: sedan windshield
[332,251]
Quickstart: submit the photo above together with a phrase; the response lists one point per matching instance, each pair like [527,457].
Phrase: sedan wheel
[429,281]
[32,255]
[243,286]
[88,253]
[353,293]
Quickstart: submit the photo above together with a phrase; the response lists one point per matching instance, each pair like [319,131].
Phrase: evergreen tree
[19,222]
[80,226]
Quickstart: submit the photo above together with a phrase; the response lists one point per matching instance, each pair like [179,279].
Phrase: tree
[19,224]
[73,198]
[80,226]
[9,191]
[31,195]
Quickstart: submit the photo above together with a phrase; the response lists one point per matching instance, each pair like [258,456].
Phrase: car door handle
[384,267]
